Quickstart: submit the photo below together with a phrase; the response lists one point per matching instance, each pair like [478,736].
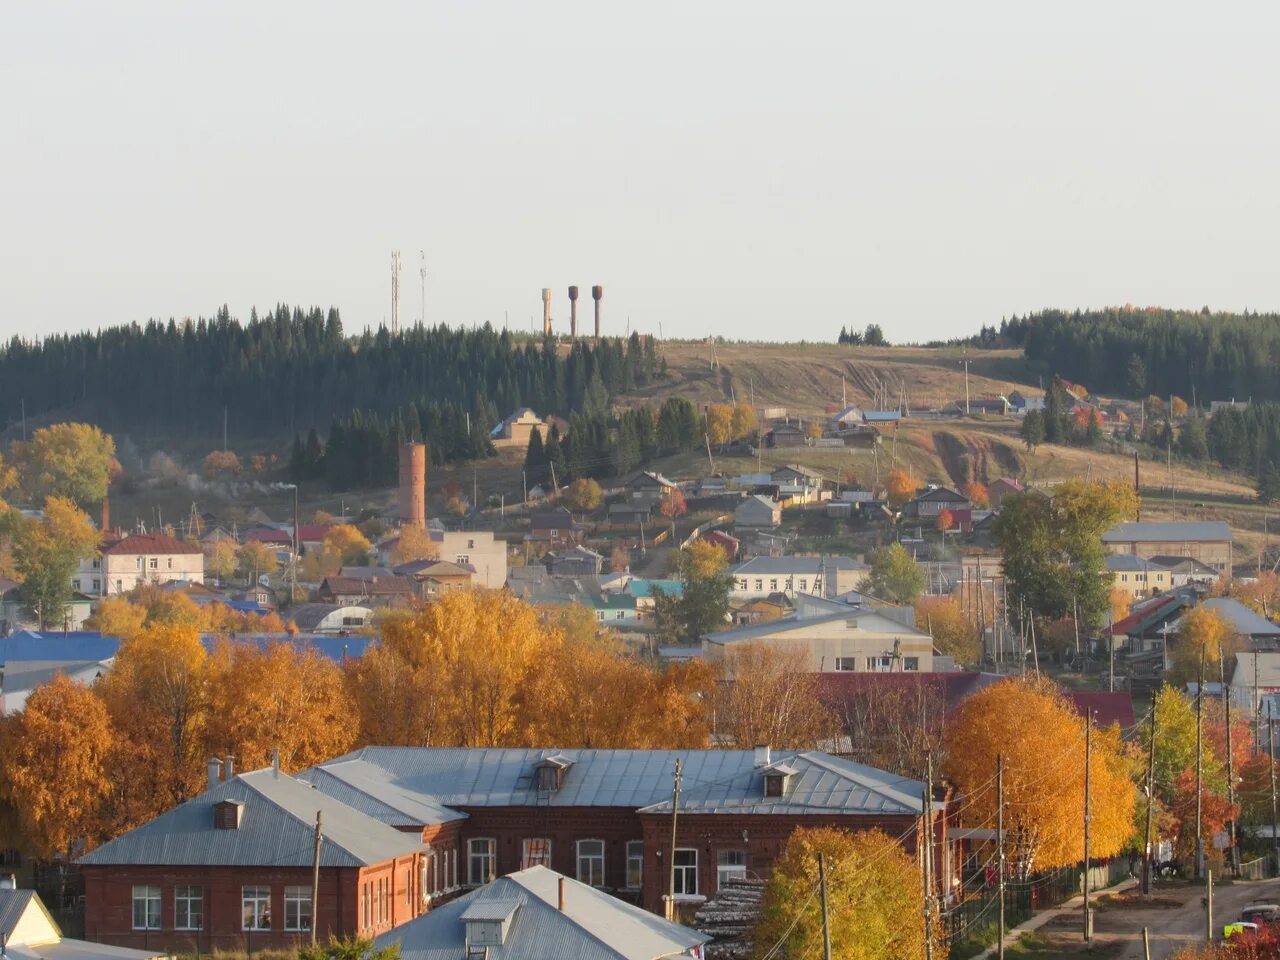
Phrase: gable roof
[653,478]
[277,828]
[942,494]
[766,629]
[593,925]
[149,543]
[1107,707]
[1199,531]
[1245,620]
[798,566]
[371,587]
[1126,562]
[952,686]
[75,646]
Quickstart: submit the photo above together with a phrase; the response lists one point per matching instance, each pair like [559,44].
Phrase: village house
[785,435]
[537,912]
[757,513]
[1187,570]
[554,525]
[650,487]
[1137,577]
[436,577]
[407,828]
[137,558]
[629,513]
[479,550]
[1002,487]
[516,429]
[932,500]
[725,541]
[576,562]
[1208,541]
[821,576]
[837,637]
[15,616]
[371,592]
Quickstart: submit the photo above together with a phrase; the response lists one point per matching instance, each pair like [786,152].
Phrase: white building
[819,576]
[478,550]
[124,563]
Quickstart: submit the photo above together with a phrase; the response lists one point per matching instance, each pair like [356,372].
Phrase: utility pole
[710,462]
[1271,756]
[1200,767]
[1231,785]
[1000,853]
[1151,799]
[675,807]
[1208,907]
[965,363]
[315,879]
[1088,759]
[826,923]
[927,818]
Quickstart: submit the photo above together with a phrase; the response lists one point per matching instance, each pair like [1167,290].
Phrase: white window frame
[880,664]
[531,857]
[294,898]
[481,857]
[911,664]
[725,871]
[187,900]
[147,896]
[594,862]
[256,898]
[846,664]
[684,872]
[635,865]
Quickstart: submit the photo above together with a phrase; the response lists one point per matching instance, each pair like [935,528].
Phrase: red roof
[1107,707]
[313,532]
[150,543]
[267,536]
[954,686]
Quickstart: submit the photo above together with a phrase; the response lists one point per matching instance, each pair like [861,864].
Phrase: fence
[1255,869]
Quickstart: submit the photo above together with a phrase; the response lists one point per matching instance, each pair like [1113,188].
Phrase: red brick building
[408,828]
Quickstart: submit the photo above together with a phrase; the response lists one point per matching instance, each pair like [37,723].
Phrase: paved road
[1172,927]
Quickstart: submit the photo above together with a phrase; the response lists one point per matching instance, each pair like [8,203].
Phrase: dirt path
[1176,920]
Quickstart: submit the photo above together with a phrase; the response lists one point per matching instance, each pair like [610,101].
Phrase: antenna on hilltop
[422,271]
[395,292]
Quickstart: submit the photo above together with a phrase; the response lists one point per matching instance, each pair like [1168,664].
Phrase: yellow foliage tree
[414,543]
[1041,738]
[155,695]
[117,617]
[220,558]
[277,698]
[583,495]
[76,461]
[766,695]
[1203,633]
[952,633]
[47,553]
[700,560]
[383,676]
[222,463]
[54,753]
[977,494]
[743,423]
[873,891]
[343,545]
[254,559]
[1177,407]
[720,423]
[900,486]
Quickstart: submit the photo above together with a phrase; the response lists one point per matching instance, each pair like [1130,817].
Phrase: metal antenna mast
[395,292]
[422,271]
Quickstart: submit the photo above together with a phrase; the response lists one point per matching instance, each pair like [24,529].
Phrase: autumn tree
[414,543]
[977,494]
[155,695]
[1205,638]
[279,697]
[220,558]
[673,505]
[944,521]
[254,559]
[743,423]
[873,891]
[767,695]
[895,576]
[72,461]
[54,754]
[583,496]
[116,616]
[720,423]
[46,555]
[698,560]
[952,633]
[704,603]
[384,676]
[890,726]
[221,463]
[619,558]
[814,430]
[1177,407]
[343,545]
[900,486]
[1041,738]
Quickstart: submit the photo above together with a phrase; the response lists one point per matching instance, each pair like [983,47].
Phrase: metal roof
[13,904]
[800,566]
[333,648]
[1198,531]
[1268,666]
[83,645]
[1245,620]
[756,631]
[1125,562]
[820,783]
[593,925]
[365,788]
[277,829]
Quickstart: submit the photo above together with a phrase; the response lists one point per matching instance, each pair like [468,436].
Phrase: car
[1260,912]
[1240,926]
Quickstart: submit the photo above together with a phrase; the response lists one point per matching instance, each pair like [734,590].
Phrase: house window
[255,908]
[146,907]
[804,585]
[97,584]
[599,614]
[618,615]
[535,852]
[297,908]
[137,562]
[554,534]
[119,586]
[730,864]
[480,856]
[1124,578]
[686,872]
[591,862]
[742,584]
[188,908]
[773,584]
[635,864]
[759,584]
[880,664]
[353,621]
[846,663]
[170,562]
[910,664]
[471,544]
[462,559]
[97,564]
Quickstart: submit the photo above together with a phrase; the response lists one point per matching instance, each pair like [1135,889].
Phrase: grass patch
[1049,947]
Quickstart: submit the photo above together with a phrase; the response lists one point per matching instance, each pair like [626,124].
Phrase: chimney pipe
[275,762]
[562,894]
[105,523]
[597,292]
[228,767]
[763,755]
[215,771]
[546,311]
[573,313]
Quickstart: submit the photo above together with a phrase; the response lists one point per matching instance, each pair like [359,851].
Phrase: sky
[755,171]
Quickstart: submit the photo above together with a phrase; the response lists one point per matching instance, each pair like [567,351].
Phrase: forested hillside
[1137,352]
[294,370]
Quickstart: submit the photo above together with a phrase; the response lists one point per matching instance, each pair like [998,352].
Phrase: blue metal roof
[334,648]
[51,646]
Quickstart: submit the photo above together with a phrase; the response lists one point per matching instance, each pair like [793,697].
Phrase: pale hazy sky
[754,170]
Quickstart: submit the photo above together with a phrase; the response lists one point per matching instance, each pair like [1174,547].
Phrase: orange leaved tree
[1042,741]
[900,486]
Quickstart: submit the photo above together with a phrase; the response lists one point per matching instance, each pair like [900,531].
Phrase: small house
[576,562]
[758,513]
[649,487]
[785,435]
[516,429]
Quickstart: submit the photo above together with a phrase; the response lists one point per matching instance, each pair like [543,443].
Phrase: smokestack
[562,894]
[228,767]
[597,293]
[275,762]
[215,771]
[573,313]
[546,311]
[413,485]
[105,523]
